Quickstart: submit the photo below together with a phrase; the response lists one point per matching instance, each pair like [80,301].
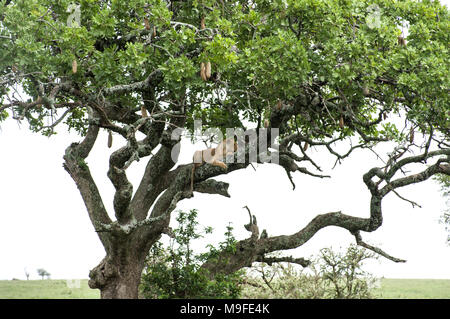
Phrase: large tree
[322,72]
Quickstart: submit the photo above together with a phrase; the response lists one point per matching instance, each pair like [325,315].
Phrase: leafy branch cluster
[175,271]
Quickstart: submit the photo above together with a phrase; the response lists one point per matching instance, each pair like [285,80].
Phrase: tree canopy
[261,52]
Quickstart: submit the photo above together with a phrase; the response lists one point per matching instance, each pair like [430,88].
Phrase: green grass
[414,288]
[45,289]
[58,289]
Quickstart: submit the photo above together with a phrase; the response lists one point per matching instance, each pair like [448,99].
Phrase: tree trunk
[118,277]
[125,286]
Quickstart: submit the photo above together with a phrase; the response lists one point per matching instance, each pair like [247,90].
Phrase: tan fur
[213,156]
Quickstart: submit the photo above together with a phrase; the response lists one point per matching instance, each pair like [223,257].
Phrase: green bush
[332,275]
[175,271]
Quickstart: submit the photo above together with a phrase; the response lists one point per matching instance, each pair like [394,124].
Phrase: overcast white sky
[44,223]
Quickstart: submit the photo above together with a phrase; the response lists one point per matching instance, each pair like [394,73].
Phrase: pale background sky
[44,223]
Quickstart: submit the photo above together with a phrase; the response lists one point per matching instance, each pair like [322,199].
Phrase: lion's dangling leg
[192,177]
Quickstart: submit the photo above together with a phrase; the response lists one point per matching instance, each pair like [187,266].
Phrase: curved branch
[211,186]
[151,81]
[251,249]
[75,165]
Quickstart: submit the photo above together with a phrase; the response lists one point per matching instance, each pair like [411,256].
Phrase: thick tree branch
[416,178]
[288,259]
[75,165]
[211,186]
[151,81]
[123,194]
[154,180]
[397,165]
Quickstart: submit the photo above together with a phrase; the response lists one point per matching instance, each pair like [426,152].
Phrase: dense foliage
[174,271]
[261,52]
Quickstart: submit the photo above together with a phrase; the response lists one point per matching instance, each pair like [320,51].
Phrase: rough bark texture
[117,280]
[118,275]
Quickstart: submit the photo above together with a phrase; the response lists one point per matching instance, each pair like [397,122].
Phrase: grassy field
[59,289]
[414,288]
[46,289]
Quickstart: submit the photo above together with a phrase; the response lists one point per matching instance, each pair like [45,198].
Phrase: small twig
[361,243]
[405,199]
